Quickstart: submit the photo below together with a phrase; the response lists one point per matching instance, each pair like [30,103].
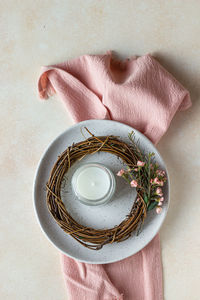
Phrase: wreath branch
[93,238]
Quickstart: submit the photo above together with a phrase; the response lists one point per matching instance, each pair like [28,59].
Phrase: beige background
[35,33]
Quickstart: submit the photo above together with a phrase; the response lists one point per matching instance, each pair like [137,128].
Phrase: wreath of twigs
[89,237]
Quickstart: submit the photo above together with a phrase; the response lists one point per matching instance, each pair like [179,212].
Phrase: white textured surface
[35,33]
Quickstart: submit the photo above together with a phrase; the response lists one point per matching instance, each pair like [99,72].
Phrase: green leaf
[146,199]
[152,205]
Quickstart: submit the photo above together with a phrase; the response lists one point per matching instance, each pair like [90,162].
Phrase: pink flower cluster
[156,182]
[160,200]
[133,182]
[161,175]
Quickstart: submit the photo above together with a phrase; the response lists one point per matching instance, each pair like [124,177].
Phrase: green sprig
[144,175]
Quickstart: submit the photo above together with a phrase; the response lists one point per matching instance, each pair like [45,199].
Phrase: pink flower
[135,169]
[160,203]
[133,183]
[140,163]
[160,173]
[120,173]
[156,180]
[158,210]
[161,199]
[151,181]
[159,192]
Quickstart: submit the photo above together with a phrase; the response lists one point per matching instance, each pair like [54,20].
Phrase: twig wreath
[141,172]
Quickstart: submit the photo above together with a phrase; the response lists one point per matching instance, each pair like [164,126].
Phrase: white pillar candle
[93,184]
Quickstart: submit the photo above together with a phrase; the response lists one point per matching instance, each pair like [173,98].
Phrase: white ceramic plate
[104,216]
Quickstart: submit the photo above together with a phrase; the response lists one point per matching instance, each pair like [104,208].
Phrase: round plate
[105,216]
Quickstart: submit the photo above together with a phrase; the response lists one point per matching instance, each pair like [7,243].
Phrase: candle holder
[93,184]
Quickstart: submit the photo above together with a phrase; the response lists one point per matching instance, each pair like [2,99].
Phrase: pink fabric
[138,92]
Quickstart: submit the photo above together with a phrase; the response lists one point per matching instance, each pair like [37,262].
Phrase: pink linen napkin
[138,92]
